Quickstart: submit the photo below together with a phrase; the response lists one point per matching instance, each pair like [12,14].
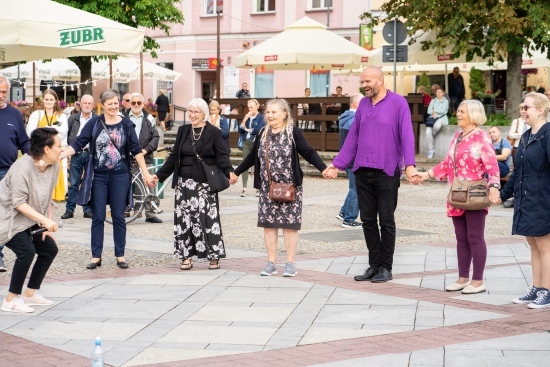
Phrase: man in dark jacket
[350,210]
[163,107]
[148,138]
[80,159]
[456,88]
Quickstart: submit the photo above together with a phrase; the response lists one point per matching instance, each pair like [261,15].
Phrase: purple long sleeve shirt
[381,136]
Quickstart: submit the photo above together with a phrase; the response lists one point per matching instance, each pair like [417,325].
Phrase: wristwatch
[495,185]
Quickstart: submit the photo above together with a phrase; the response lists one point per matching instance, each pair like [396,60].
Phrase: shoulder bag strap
[454,154]
[113,142]
[267,156]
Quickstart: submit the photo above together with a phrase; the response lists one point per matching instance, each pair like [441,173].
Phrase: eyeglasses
[126,100]
[191,112]
[525,107]
[137,103]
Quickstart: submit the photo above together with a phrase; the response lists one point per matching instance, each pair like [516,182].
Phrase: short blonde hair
[541,101]
[476,111]
[255,101]
[421,89]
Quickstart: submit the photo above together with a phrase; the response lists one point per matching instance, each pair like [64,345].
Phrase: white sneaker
[431,153]
[16,305]
[37,299]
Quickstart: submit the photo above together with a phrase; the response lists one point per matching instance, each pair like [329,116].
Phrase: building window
[264,86]
[320,83]
[264,6]
[208,7]
[320,4]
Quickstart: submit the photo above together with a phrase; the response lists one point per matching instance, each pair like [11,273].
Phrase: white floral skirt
[197,229]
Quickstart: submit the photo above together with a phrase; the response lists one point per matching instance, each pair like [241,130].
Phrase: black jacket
[74,126]
[148,137]
[214,151]
[163,103]
[300,146]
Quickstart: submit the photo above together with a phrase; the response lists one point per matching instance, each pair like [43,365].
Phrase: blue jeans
[112,190]
[350,209]
[377,193]
[76,168]
[2,175]
[504,169]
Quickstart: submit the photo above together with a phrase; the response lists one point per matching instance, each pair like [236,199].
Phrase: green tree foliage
[425,81]
[477,84]
[151,14]
[491,29]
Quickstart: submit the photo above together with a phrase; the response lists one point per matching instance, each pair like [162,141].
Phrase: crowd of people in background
[376,147]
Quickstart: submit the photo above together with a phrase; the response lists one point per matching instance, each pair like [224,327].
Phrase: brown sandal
[214,264]
[186,265]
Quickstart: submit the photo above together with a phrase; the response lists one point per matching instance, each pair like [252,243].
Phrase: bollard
[158,162]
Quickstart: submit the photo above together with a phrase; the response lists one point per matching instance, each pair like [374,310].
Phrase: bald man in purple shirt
[381,141]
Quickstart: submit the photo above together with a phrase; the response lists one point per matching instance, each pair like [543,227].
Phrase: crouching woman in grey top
[25,205]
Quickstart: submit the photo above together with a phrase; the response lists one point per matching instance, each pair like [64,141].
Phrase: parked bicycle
[144,198]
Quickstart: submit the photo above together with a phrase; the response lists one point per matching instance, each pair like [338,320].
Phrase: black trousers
[24,250]
[377,196]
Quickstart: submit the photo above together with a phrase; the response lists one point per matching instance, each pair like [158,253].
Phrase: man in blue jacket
[12,138]
[350,210]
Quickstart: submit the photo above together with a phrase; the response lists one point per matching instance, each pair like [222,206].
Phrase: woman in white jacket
[52,116]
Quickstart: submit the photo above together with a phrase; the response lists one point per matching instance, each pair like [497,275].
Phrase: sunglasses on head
[136,103]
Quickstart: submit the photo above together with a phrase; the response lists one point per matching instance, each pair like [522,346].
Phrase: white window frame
[266,2]
[322,4]
[204,9]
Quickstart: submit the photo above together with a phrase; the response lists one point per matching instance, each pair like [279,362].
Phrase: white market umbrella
[57,69]
[126,69]
[304,45]
[43,29]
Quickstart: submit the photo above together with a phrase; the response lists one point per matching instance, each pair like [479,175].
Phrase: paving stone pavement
[156,315]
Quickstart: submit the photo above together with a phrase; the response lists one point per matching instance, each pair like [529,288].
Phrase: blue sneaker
[531,296]
[543,299]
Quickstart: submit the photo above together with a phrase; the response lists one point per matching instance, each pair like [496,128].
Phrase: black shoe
[382,276]
[367,275]
[122,264]
[88,215]
[153,220]
[94,265]
[67,215]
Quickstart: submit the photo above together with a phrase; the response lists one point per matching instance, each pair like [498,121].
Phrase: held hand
[411,174]
[494,196]
[148,179]
[233,178]
[154,180]
[423,176]
[330,172]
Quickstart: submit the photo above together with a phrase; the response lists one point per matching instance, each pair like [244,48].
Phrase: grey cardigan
[24,183]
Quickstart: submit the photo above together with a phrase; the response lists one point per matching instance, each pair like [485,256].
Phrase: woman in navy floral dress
[285,142]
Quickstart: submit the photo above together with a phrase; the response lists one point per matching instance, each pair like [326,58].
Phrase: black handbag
[430,121]
[214,175]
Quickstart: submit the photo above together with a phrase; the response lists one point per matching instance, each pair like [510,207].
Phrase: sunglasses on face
[136,103]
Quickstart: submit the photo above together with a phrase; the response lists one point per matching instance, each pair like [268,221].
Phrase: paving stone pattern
[156,315]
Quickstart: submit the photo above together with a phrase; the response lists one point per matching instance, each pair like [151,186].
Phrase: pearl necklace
[197,136]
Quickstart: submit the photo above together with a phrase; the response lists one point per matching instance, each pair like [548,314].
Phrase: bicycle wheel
[140,193]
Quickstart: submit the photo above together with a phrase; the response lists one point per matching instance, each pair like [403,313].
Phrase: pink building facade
[191,48]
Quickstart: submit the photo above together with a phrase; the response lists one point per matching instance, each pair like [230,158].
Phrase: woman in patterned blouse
[475,158]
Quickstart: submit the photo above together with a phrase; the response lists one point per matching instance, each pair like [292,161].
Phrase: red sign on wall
[444,57]
[270,58]
[364,59]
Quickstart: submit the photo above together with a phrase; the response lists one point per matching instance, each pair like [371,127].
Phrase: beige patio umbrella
[43,29]
[304,45]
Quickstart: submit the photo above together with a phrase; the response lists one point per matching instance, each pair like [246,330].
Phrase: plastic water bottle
[98,354]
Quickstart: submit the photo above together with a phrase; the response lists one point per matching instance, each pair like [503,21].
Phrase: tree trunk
[85,66]
[513,80]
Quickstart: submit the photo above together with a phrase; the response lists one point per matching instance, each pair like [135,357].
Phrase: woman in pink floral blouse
[475,158]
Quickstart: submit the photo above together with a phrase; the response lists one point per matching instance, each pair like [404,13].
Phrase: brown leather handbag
[468,195]
[278,191]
